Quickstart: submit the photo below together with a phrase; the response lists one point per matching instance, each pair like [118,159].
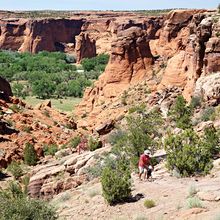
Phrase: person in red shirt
[144,164]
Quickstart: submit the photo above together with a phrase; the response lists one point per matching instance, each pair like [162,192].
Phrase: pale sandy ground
[169,193]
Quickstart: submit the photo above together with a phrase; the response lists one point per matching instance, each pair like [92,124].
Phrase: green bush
[107,160]
[196,102]
[194,202]
[188,153]
[50,149]
[19,90]
[70,58]
[30,155]
[212,140]
[181,113]
[207,113]
[115,136]
[94,144]
[141,132]
[116,181]
[97,63]
[149,203]
[138,108]
[14,205]
[15,169]
[75,142]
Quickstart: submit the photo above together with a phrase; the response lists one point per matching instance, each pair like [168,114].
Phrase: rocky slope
[182,49]
[41,126]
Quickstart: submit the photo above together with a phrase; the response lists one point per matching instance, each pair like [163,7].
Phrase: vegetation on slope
[15,204]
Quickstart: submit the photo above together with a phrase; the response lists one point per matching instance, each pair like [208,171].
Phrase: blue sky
[104,4]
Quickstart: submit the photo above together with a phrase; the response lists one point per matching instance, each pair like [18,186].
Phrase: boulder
[130,62]
[105,128]
[208,87]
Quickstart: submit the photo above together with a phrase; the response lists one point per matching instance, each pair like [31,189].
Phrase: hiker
[144,165]
[82,146]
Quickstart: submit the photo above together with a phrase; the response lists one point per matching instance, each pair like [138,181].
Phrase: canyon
[153,60]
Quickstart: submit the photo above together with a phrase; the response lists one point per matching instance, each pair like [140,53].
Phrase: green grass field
[65,105]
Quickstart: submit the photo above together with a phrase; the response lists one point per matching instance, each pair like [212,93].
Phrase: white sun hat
[147,152]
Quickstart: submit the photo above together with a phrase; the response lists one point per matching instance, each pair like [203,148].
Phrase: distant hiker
[82,146]
[144,165]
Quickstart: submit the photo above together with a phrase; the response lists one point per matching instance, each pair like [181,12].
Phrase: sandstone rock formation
[208,88]
[36,35]
[181,50]
[130,62]
[66,173]
[85,47]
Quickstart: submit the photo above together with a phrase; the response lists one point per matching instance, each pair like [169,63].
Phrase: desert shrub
[94,171]
[19,90]
[93,192]
[65,197]
[15,205]
[101,162]
[50,149]
[194,202]
[70,58]
[116,181]
[149,203]
[207,113]
[15,108]
[75,141]
[196,102]
[141,132]
[124,98]
[211,136]
[181,113]
[26,129]
[115,136]
[188,153]
[46,113]
[97,63]
[25,181]
[15,169]
[192,191]
[138,108]
[30,155]
[94,144]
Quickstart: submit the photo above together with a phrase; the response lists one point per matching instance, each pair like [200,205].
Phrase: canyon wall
[27,35]
[173,52]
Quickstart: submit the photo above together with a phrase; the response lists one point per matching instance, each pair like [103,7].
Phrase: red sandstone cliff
[27,35]
[184,47]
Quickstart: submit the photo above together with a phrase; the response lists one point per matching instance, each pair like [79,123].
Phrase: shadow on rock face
[3,176]
[6,129]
